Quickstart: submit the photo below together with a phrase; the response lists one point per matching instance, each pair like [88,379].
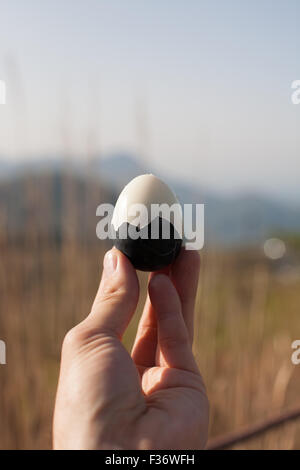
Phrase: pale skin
[153,398]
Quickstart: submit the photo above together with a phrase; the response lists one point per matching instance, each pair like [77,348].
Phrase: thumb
[117,296]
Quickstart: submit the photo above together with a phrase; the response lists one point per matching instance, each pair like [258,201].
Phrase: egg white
[147,190]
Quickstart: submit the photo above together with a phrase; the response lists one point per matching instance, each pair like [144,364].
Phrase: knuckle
[109,295]
[172,342]
[117,296]
[73,338]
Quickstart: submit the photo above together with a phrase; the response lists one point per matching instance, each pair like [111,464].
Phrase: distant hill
[232,220]
[239,219]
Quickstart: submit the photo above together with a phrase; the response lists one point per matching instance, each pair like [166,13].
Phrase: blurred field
[247,316]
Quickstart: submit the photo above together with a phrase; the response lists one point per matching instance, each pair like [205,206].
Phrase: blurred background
[199,93]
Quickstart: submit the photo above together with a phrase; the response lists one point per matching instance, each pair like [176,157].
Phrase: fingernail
[110,263]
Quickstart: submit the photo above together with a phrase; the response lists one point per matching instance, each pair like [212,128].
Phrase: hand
[153,399]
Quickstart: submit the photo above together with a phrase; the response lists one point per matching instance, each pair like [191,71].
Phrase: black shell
[146,253]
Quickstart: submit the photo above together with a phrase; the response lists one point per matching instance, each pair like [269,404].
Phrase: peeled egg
[150,239]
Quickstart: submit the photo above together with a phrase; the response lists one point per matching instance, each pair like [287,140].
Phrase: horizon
[50,162]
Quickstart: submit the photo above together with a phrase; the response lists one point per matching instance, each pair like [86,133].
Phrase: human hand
[153,399]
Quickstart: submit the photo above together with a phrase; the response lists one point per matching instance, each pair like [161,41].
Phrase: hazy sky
[201,88]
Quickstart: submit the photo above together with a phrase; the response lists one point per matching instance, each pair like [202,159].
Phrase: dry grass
[246,319]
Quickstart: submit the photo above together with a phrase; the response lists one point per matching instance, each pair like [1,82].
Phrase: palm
[154,398]
[180,408]
[170,403]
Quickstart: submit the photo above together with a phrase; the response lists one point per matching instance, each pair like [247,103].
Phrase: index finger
[173,336]
[185,276]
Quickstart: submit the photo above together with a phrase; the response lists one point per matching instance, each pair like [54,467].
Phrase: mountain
[238,219]
[119,169]
[233,220]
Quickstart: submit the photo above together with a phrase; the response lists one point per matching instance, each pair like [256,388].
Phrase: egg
[149,237]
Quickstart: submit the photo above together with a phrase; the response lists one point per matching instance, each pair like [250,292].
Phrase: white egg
[144,201]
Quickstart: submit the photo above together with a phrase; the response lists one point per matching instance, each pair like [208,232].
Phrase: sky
[198,89]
